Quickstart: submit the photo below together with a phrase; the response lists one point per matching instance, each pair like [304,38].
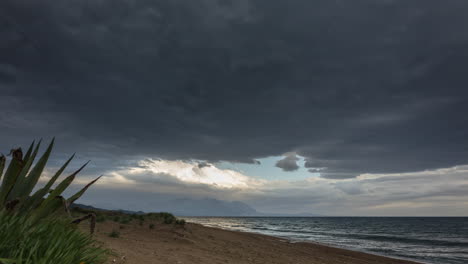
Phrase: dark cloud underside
[353,86]
[289,162]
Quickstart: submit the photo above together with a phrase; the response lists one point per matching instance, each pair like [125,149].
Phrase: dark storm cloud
[289,163]
[353,86]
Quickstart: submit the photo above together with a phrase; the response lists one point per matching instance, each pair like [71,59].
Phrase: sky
[322,107]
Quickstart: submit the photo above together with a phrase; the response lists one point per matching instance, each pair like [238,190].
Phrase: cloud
[202,165]
[184,172]
[289,163]
[147,184]
[350,86]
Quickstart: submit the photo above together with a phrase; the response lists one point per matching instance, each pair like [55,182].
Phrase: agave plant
[20,178]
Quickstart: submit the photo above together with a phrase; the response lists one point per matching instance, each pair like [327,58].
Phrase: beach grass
[50,241]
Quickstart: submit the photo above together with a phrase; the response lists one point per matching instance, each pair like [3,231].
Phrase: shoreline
[196,243]
[299,241]
[294,241]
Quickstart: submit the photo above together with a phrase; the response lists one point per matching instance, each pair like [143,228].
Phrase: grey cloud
[353,188]
[445,191]
[354,86]
[202,165]
[289,163]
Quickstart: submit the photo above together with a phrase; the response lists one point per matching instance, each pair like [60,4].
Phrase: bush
[180,222]
[169,220]
[46,242]
[125,221]
[116,219]
[114,234]
[133,216]
[101,218]
[151,226]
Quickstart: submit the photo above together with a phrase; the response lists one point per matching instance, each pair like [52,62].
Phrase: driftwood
[92,221]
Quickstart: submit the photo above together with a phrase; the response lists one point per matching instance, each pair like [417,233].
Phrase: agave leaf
[53,206]
[2,165]
[36,198]
[77,195]
[66,182]
[11,174]
[20,181]
[33,177]
[28,153]
[48,203]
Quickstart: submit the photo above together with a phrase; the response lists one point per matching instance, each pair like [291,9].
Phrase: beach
[194,243]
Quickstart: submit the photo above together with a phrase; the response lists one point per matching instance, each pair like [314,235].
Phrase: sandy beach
[199,244]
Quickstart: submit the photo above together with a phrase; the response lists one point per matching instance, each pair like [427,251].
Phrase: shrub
[45,242]
[114,234]
[133,216]
[151,226]
[101,218]
[169,220]
[125,221]
[116,219]
[180,222]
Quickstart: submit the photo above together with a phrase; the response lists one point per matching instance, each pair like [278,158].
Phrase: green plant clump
[101,219]
[20,178]
[47,242]
[151,226]
[33,229]
[125,221]
[180,222]
[114,234]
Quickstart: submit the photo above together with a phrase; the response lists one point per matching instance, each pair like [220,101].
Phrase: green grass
[46,242]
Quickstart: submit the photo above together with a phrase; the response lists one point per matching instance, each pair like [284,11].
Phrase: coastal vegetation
[51,241]
[125,218]
[35,223]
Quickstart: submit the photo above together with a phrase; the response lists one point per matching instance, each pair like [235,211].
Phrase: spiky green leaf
[52,207]
[36,198]
[2,165]
[35,174]
[48,203]
[20,181]
[11,174]
[77,195]
[28,153]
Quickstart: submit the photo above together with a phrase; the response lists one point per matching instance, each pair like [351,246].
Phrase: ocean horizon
[432,240]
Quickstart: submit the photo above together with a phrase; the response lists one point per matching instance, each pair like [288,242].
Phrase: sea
[434,240]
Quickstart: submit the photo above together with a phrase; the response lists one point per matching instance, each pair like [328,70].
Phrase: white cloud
[189,172]
[435,192]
